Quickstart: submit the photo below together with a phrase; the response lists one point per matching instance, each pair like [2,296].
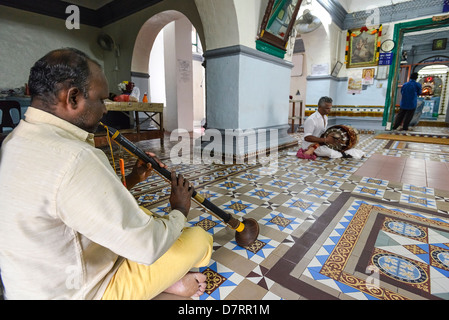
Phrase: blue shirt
[410,92]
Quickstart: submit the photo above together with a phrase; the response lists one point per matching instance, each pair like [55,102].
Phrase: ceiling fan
[307,22]
[106,43]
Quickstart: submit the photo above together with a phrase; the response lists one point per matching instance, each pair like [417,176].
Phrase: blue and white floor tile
[281,184]
[238,207]
[418,189]
[162,209]
[297,176]
[418,201]
[147,199]
[337,175]
[281,222]
[377,182]
[208,194]
[220,281]
[230,185]
[249,176]
[262,194]
[316,193]
[301,205]
[257,251]
[374,192]
[329,183]
[208,222]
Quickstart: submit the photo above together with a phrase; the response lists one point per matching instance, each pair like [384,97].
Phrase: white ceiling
[362,5]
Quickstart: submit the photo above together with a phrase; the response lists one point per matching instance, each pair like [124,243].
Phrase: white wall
[263,99]
[249,19]
[157,71]
[171,107]
[220,22]
[222,92]
[25,37]
[184,73]
[175,79]
[199,87]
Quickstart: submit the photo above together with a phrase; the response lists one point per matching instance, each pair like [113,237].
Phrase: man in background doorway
[410,92]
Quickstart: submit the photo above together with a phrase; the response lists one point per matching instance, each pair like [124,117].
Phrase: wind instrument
[247,230]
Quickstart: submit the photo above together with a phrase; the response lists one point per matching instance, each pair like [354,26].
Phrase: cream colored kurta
[66,220]
[315,125]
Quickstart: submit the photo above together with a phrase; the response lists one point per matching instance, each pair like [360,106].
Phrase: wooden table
[150,110]
[293,116]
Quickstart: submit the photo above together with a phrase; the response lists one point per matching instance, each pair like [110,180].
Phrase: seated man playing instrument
[70,229]
[315,140]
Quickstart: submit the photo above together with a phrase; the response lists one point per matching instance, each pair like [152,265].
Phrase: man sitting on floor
[314,144]
[70,229]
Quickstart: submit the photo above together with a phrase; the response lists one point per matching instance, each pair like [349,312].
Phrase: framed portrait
[362,47]
[354,82]
[336,69]
[277,23]
[382,72]
[368,76]
[439,44]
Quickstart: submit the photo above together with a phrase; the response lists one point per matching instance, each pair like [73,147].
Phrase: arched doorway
[173,72]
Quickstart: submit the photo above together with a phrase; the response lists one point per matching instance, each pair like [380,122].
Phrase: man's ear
[72,97]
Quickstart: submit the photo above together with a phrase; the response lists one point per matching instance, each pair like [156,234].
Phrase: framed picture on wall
[362,47]
[336,69]
[368,76]
[439,44]
[277,25]
[382,72]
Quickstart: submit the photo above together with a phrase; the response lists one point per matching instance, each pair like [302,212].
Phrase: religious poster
[355,82]
[362,47]
[368,76]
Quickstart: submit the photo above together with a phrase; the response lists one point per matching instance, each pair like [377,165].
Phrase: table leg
[293,117]
[161,127]
[136,115]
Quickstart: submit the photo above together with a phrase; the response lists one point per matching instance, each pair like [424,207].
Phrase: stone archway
[146,37]
[178,64]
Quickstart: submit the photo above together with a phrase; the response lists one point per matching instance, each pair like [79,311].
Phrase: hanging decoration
[362,47]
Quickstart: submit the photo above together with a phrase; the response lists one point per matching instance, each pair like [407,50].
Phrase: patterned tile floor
[326,232]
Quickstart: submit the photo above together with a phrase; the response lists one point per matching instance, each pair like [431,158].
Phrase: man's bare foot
[193,284]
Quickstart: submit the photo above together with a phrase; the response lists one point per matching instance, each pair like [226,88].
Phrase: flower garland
[352,34]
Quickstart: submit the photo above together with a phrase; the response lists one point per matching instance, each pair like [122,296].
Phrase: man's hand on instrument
[181,193]
[331,140]
[142,171]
